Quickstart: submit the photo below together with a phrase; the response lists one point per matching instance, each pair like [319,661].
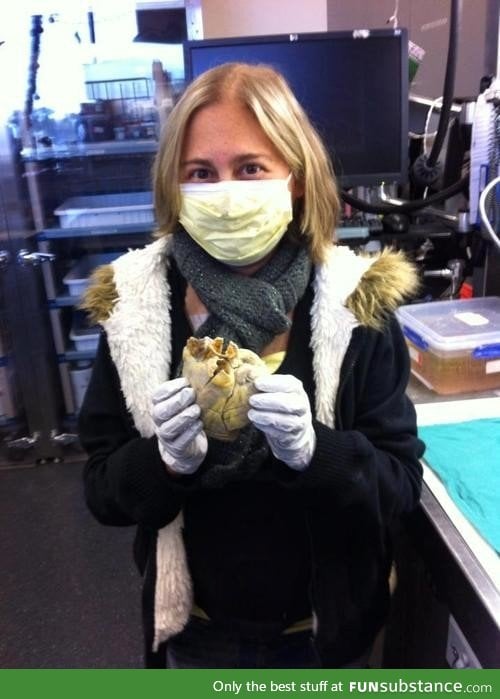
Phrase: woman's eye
[201,173]
[252,169]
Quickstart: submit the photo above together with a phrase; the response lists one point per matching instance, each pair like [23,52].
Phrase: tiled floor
[69,592]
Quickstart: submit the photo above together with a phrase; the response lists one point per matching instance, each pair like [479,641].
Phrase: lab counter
[447,567]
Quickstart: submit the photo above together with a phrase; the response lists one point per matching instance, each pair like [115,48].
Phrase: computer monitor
[353,85]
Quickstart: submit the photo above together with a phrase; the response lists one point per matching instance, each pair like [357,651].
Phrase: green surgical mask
[237,222]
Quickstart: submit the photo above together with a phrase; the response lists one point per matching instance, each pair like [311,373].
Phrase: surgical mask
[237,222]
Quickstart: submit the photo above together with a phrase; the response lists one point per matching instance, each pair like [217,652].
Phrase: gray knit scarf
[251,311]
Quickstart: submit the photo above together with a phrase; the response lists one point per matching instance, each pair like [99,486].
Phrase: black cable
[90,21]
[449,81]
[35,32]
[427,169]
[407,205]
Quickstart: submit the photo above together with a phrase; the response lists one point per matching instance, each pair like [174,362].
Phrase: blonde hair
[269,98]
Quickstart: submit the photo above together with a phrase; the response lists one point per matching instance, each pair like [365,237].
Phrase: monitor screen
[353,85]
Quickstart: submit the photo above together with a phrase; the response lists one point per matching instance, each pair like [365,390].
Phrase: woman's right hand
[182,442]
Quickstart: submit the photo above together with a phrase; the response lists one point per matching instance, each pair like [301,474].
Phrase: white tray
[106,209]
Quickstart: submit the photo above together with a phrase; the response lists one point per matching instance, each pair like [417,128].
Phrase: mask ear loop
[289,183]
[299,185]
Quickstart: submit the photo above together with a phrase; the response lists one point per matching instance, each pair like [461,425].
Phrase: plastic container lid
[448,326]
[106,203]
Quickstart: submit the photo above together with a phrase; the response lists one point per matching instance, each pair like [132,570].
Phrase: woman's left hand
[282,411]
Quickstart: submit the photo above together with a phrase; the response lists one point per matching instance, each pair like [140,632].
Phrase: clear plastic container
[106,210]
[454,345]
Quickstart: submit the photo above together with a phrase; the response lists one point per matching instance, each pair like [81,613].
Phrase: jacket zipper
[343,380]
[338,425]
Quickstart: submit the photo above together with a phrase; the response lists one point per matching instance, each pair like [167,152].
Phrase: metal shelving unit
[99,141]
[95,169]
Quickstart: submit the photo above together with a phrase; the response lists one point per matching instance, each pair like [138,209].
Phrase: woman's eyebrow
[242,157]
[197,161]
[251,156]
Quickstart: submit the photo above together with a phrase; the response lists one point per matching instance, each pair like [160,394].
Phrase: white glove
[182,442]
[283,413]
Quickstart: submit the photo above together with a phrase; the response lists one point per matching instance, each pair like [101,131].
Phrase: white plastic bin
[85,340]
[77,278]
[106,210]
[85,337]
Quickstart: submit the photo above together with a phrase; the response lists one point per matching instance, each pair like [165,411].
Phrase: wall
[426,20]
[256,17]
[428,25]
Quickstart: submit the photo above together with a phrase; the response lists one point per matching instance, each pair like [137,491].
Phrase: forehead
[223,126]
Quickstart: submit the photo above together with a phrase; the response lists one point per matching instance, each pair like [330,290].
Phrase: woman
[271,550]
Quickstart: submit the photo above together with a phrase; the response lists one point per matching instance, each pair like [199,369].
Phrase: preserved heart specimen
[222,378]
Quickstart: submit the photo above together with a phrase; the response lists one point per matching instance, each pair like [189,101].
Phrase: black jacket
[329,535]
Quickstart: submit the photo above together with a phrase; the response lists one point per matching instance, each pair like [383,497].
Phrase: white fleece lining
[139,337]
[143,359]
[332,324]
